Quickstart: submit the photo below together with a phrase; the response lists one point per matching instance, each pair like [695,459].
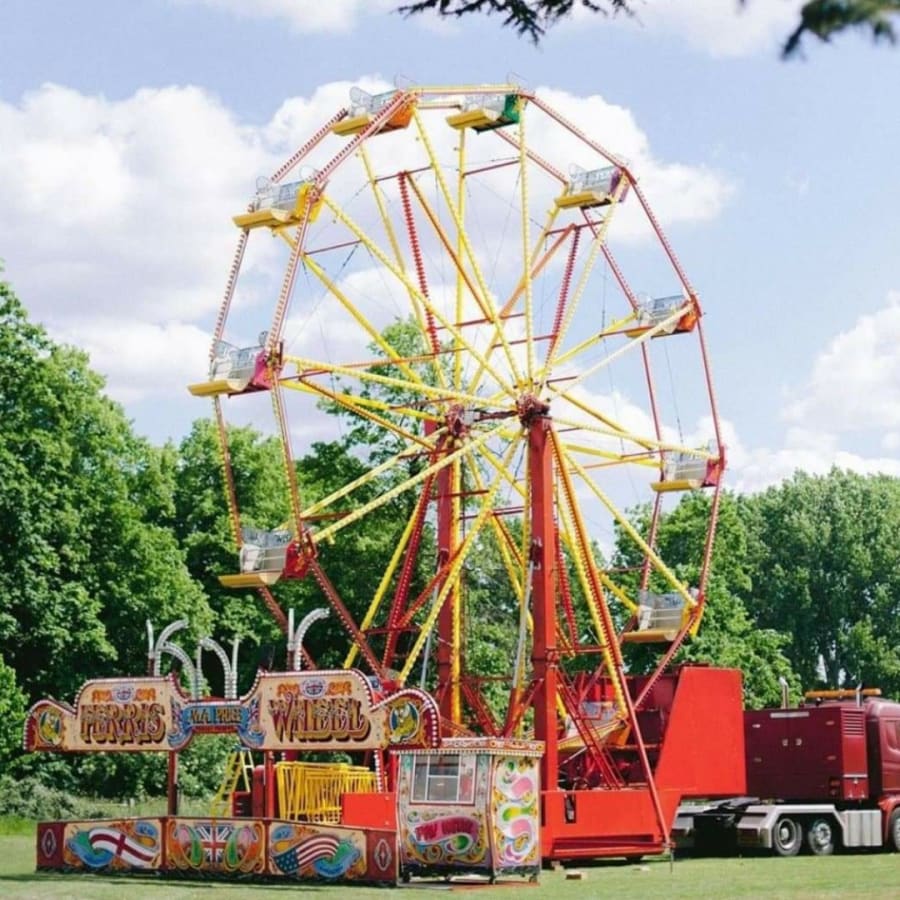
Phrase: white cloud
[855,381]
[723,28]
[845,414]
[140,358]
[121,207]
[720,28]
[308,17]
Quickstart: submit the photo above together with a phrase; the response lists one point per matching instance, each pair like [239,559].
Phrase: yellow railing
[312,791]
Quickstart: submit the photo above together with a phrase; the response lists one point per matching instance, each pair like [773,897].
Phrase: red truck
[821,776]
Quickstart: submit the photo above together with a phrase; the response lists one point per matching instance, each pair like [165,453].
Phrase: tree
[531,18]
[12,715]
[81,566]
[828,575]
[825,18]
[728,635]
[354,562]
[203,527]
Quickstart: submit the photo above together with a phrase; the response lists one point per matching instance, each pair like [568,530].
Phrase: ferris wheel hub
[530,407]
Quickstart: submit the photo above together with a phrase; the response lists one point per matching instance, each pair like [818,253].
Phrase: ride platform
[583,199]
[357,124]
[250,579]
[219,386]
[654,312]
[688,473]
[281,206]
[488,113]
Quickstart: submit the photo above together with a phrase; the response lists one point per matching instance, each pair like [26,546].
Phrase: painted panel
[515,815]
[110,714]
[339,711]
[119,845]
[216,846]
[443,835]
[304,851]
[50,842]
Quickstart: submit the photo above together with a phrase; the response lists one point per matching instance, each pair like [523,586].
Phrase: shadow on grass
[161,881]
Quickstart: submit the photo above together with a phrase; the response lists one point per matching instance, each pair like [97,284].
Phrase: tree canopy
[822,19]
[87,553]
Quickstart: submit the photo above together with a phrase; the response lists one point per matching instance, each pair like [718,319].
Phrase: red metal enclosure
[691,726]
[831,752]
[883,732]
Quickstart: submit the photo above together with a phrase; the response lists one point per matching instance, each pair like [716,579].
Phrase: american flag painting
[306,852]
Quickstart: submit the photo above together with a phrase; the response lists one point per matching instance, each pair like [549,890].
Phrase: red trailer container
[821,776]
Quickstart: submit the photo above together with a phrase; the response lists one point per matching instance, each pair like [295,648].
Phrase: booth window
[448,778]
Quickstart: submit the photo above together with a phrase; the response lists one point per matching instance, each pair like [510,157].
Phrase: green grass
[856,876]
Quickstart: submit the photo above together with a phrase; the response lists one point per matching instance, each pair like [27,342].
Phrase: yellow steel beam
[631,531]
[403,278]
[395,491]
[453,574]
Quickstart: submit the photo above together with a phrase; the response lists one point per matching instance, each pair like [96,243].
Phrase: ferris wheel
[482,288]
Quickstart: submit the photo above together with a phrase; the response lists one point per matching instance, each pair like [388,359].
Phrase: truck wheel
[820,837]
[786,838]
[893,835]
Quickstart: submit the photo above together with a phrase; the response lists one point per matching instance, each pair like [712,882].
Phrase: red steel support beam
[543,596]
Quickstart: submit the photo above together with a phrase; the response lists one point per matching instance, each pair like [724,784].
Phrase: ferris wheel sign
[323,710]
[109,714]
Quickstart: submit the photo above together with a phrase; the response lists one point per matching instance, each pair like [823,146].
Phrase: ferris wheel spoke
[660,328]
[307,368]
[413,525]
[453,574]
[469,447]
[526,255]
[675,583]
[483,296]
[486,308]
[357,406]
[374,334]
[430,332]
[572,303]
[305,384]
[371,475]
[400,601]
[614,328]
[538,264]
[535,267]
[611,428]
[455,333]
[610,458]
[419,313]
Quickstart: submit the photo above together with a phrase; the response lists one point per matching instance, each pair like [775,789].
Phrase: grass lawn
[861,875]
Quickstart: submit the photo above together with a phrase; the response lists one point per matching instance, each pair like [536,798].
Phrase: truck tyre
[786,837]
[820,837]
[893,835]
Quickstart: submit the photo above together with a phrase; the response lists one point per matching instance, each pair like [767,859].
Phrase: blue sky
[130,133]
